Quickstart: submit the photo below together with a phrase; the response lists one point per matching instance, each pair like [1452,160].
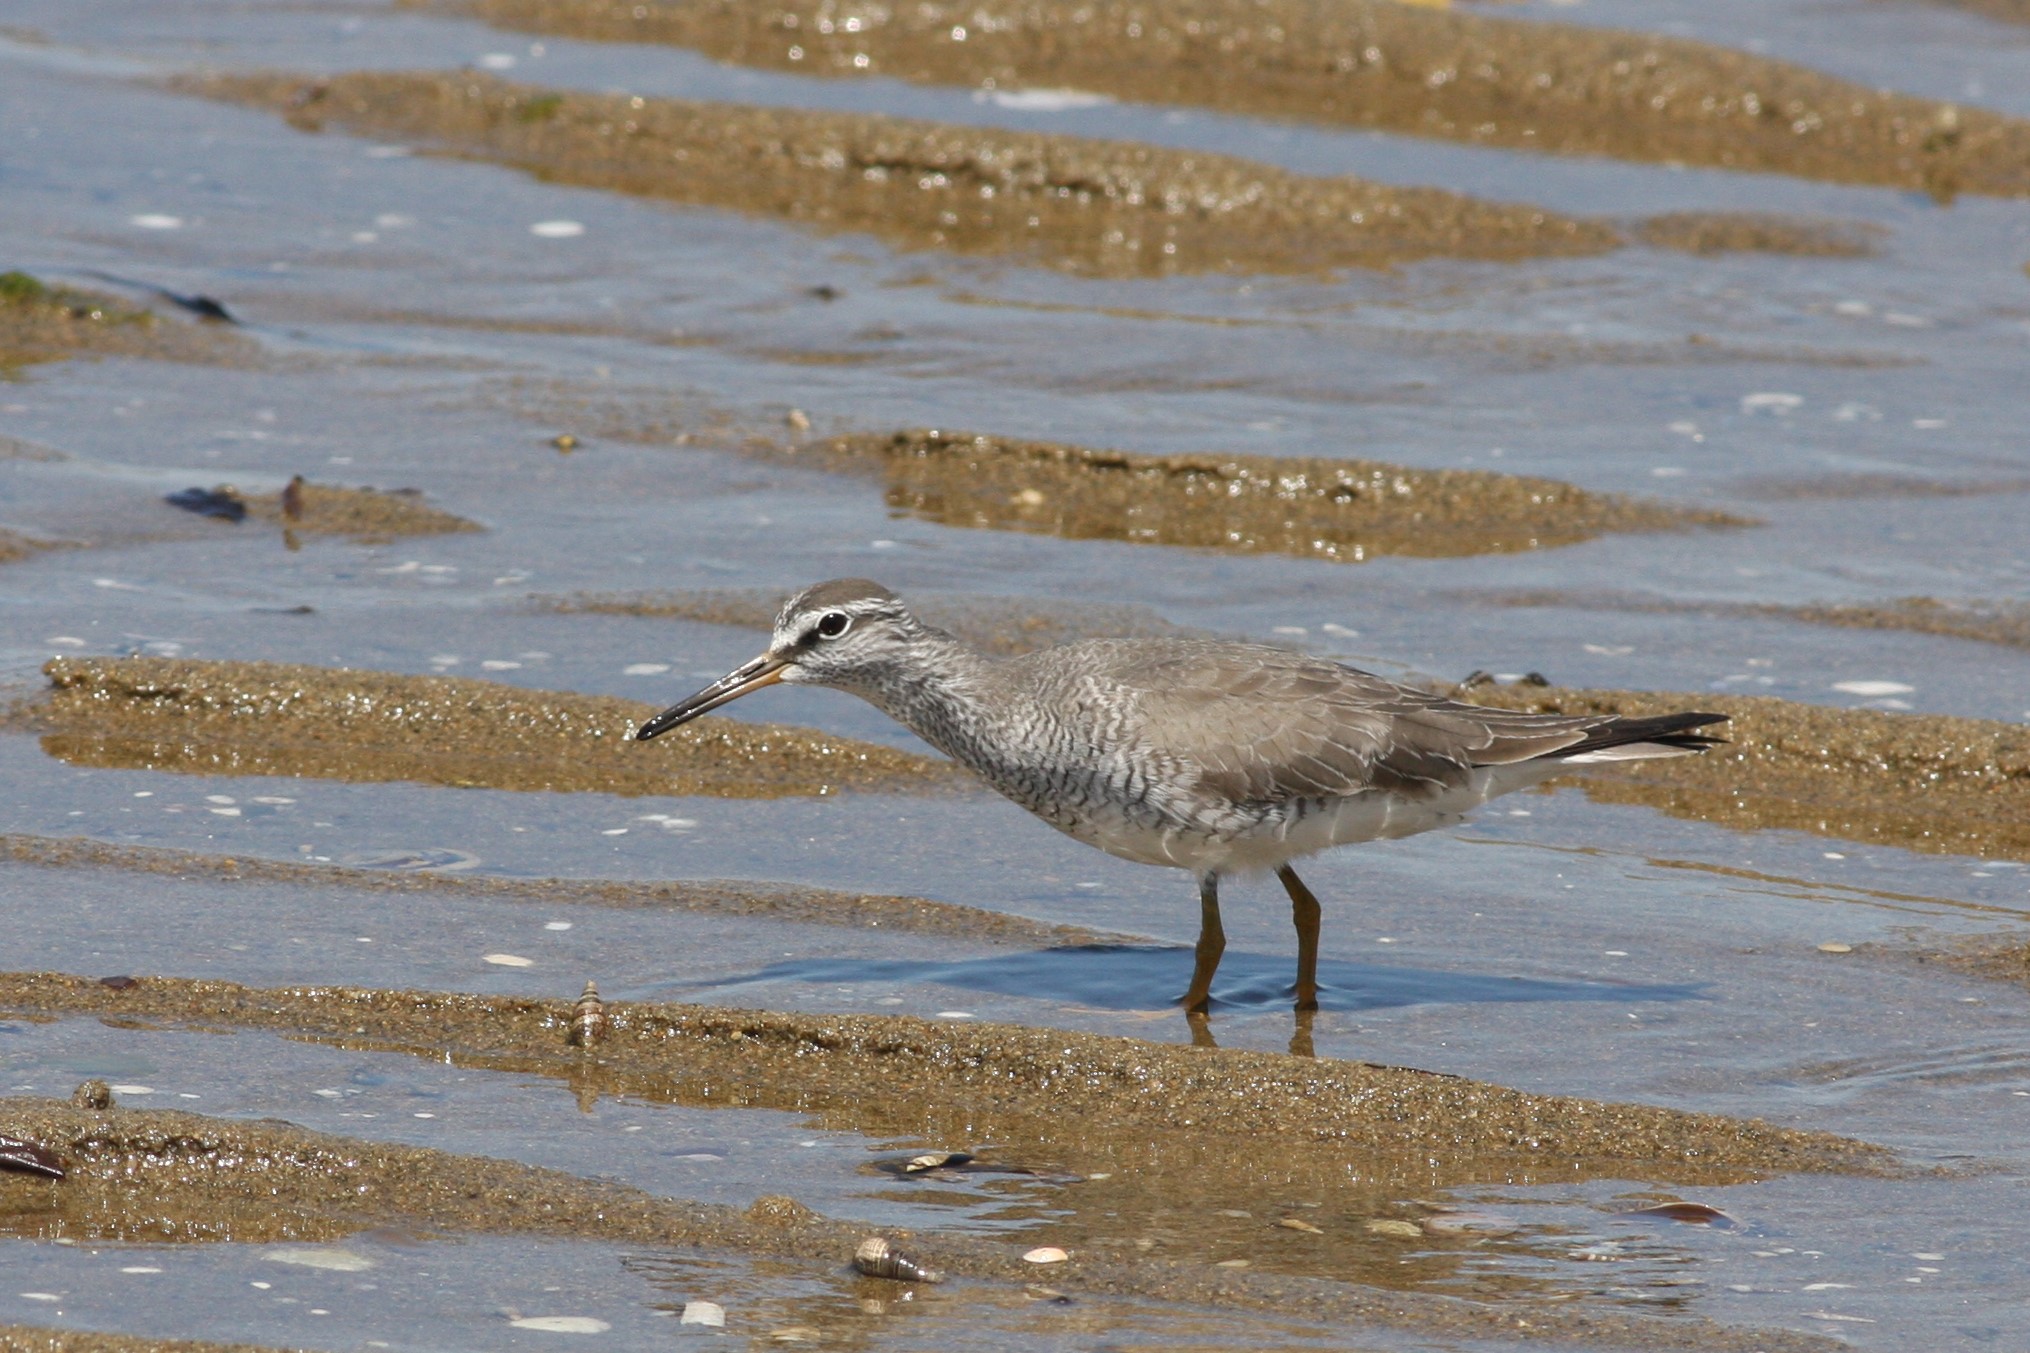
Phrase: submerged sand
[1474,77]
[253,718]
[1118,209]
[1983,620]
[788,902]
[1346,511]
[44,323]
[160,1176]
[1926,782]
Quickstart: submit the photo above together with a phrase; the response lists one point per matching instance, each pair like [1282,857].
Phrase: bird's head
[834,633]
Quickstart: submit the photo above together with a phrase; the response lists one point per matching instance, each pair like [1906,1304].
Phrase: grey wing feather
[1267,725]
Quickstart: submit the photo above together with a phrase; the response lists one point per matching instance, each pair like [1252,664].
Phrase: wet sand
[244,718]
[366,516]
[1345,511]
[1469,77]
[162,1175]
[38,1339]
[1063,1091]
[1117,209]
[719,897]
[2003,958]
[1002,626]
[15,547]
[44,323]
[1924,782]
[1987,622]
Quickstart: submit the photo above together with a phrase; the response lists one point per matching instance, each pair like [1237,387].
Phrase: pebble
[1835,947]
[561,1324]
[1045,1254]
[1299,1224]
[710,1314]
[1235,1263]
[508,960]
[796,1334]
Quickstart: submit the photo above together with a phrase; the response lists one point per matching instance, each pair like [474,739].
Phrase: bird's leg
[1304,913]
[1211,944]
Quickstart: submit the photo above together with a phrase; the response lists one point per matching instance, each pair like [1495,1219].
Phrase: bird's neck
[939,694]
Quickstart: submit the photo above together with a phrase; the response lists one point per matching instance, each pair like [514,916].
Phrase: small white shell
[1045,1254]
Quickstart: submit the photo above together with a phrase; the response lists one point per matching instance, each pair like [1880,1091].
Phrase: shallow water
[415,331]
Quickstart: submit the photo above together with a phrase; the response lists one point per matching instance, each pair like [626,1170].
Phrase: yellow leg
[1211,944]
[1304,914]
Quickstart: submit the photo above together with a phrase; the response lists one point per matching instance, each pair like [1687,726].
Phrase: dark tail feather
[1667,730]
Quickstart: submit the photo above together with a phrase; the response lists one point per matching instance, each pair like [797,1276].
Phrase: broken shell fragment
[1299,1224]
[1045,1254]
[936,1160]
[878,1259]
[588,1018]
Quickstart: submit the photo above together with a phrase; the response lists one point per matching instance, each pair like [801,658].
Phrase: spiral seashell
[588,1018]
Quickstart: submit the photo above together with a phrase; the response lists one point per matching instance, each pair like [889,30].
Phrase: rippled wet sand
[1741,431]
[278,719]
[1114,210]
[40,322]
[1073,1104]
[1917,781]
[421,875]
[1346,511]
[1472,77]
[1982,621]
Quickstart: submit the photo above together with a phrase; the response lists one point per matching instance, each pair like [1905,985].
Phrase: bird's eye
[833,624]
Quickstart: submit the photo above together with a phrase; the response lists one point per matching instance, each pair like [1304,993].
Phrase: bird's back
[1181,751]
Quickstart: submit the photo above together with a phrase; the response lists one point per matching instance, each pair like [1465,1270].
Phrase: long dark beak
[765,670]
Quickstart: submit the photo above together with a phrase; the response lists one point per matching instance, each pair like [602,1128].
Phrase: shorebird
[1213,757]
